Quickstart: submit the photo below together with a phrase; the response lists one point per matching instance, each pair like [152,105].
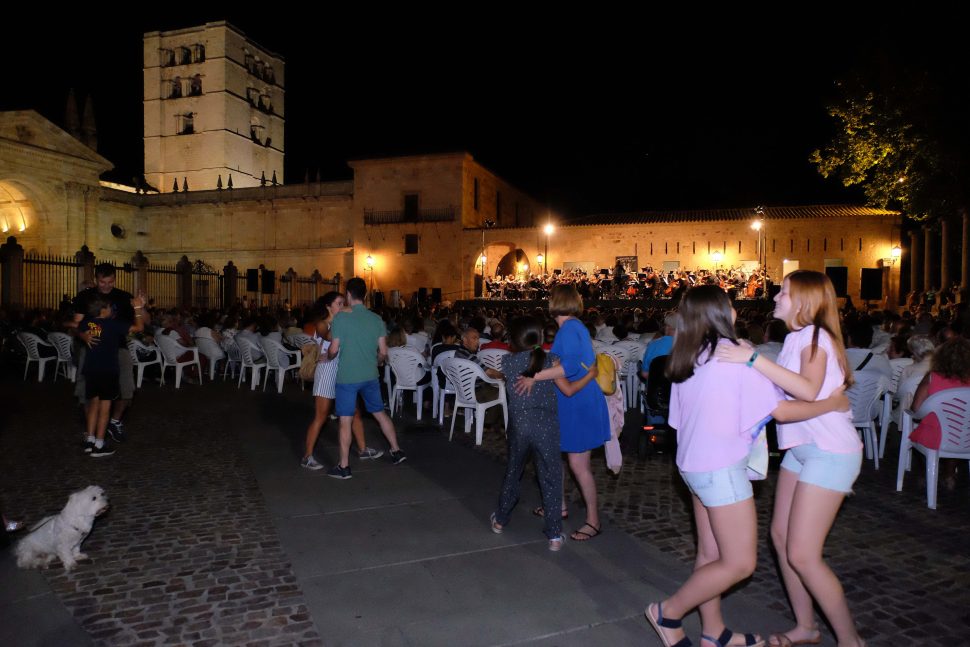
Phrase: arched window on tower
[185,123]
[250,61]
[266,101]
[174,88]
[198,53]
[252,95]
[184,55]
[256,131]
[195,89]
[166,57]
[269,75]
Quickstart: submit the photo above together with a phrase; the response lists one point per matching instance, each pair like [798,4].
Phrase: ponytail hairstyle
[525,334]
[813,304]
[706,316]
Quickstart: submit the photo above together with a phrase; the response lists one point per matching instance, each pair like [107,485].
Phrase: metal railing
[445,214]
[48,279]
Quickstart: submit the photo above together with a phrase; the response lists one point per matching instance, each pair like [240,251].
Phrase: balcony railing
[445,214]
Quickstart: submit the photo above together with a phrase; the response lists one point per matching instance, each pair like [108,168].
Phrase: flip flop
[596,533]
[540,512]
[724,640]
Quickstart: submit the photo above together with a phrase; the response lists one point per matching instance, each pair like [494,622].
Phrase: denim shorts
[370,391]
[721,487]
[825,469]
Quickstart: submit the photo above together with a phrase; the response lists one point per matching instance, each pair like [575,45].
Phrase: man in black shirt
[120,304]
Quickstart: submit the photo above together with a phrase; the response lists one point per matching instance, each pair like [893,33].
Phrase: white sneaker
[369,453]
[310,463]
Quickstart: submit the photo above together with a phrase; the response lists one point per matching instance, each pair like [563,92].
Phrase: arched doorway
[515,263]
[19,216]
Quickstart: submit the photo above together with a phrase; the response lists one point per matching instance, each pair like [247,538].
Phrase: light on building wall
[540,258]
[369,262]
[548,229]
[897,252]
[756,225]
[717,257]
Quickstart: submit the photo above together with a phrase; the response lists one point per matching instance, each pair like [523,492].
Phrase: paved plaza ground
[215,536]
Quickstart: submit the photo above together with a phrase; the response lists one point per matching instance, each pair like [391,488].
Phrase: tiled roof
[708,215]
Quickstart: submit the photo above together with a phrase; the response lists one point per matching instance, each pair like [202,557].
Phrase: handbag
[308,367]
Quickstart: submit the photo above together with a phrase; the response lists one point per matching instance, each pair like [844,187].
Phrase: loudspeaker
[252,280]
[435,295]
[269,281]
[840,280]
[422,295]
[378,298]
[871,284]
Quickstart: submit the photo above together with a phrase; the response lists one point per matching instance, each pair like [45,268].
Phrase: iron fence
[49,279]
[162,285]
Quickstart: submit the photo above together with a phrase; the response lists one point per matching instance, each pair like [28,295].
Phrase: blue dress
[584,422]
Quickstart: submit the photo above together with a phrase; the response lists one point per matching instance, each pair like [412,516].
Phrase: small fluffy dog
[61,535]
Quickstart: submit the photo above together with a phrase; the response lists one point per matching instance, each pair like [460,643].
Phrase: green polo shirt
[358,332]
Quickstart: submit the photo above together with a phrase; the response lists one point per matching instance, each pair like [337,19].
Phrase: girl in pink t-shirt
[717,409]
[823,458]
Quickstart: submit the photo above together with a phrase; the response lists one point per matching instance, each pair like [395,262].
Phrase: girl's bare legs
[727,545]
[803,516]
[579,464]
[323,406]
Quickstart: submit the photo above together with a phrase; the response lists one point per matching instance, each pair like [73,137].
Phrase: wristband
[750,362]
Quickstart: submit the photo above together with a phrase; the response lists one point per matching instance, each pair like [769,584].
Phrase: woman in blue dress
[584,422]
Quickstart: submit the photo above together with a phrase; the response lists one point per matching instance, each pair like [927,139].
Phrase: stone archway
[516,263]
[21,216]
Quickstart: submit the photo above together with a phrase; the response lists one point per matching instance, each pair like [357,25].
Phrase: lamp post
[369,263]
[761,226]
[541,260]
[717,257]
[548,229]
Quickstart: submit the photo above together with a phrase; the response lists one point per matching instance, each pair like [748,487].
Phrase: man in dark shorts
[120,303]
[104,336]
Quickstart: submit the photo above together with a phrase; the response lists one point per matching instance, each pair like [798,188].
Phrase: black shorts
[101,385]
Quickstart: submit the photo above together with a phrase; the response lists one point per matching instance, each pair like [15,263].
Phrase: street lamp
[548,229]
[761,226]
[540,259]
[369,263]
[717,257]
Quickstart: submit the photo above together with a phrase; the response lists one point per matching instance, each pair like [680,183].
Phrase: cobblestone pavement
[187,553]
[905,568]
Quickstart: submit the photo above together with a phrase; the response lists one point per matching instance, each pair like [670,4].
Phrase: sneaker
[105,450]
[337,472]
[555,545]
[117,431]
[87,446]
[369,453]
[398,457]
[310,463]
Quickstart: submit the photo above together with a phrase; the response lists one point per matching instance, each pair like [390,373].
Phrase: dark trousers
[544,444]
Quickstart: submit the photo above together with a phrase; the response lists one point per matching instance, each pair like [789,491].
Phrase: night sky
[588,114]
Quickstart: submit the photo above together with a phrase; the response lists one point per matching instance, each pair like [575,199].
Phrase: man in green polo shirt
[358,336]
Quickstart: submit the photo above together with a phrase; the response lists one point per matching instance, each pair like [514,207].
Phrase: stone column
[290,281]
[944,254]
[85,267]
[230,283]
[12,260]
[184,282]
[927,255]
[915,261]
[140,263]
[965,251]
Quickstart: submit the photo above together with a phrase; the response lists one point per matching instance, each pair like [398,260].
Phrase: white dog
[61,535]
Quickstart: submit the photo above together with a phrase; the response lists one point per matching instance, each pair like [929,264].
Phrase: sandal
[782,640]
[724,640]
[666,623]
[585,536]
[541,512]
[497,528]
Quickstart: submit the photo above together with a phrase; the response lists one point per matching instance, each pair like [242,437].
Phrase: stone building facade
[214,109]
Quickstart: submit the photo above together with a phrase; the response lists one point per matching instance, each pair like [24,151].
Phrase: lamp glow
[540,258]
[717,257]
[369,261]
[896,252]
[756,225]
[548,229]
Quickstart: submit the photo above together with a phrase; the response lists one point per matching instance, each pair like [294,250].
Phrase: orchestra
[620,283]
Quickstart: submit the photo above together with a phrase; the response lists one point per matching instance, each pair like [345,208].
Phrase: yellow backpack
[606,377]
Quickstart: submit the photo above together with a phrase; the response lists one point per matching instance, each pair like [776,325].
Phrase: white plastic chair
[140,365]
[276,354]
[492,358]
[409,368]
[300,340]
[233,358]
[171,350]
[864,397]
[952,409]
[438,392]
[65,355]
[31,343]
[464,374]
[213,352]
[246,360]
[888,398]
